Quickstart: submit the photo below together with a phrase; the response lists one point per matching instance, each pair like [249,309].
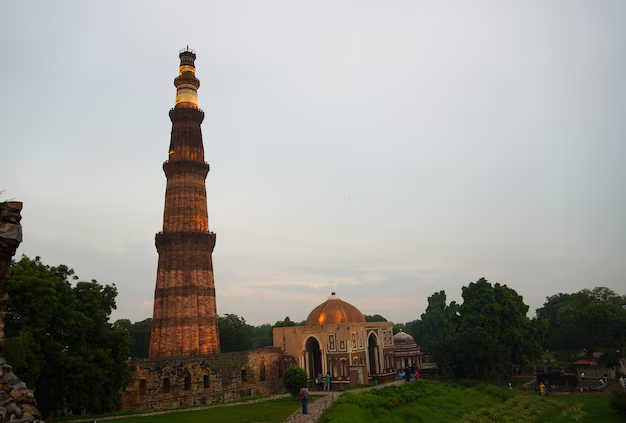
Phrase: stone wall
[17,402]
[173,382]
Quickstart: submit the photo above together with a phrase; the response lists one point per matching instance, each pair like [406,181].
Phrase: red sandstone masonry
[185,316]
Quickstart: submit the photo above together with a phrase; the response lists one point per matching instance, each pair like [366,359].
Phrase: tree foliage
[374,318]
[59,340]
[138,336]
[556,338]
[592,320]
[483,337]
[262,335]
[287,323]
[294,379]
[235,334]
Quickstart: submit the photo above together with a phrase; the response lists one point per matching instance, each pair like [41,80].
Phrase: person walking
[327,382]
[304,396]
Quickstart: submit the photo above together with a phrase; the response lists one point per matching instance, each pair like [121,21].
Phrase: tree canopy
[374,318]
[235,334]
[592,320]
[484,336]
[138,336]
[59,341]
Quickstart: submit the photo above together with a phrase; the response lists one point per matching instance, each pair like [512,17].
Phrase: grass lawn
[273,411]
[595,407]
[420,401]
[434,402]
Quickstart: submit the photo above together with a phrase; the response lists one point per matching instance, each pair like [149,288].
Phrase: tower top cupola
[186,83]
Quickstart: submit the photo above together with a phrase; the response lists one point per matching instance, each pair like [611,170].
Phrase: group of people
[408,374]
[323,382]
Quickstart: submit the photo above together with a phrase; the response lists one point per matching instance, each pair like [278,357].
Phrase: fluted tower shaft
[185,315]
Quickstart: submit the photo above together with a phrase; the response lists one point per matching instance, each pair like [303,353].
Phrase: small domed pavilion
[337,339]
[406,351]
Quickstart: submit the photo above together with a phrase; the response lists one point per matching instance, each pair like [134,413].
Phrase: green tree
[502,314]
[374,318]
[262,335]
[235,334]
[60,341]
[294,379]
[594,320]
[484,336]
[556,337]
[287,323]
[139,336]
[440,321]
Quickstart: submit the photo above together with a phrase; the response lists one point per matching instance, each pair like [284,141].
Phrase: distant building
[337,339]
[406,351]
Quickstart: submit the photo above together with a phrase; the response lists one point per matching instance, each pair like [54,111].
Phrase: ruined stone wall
[173,382]
[17,402]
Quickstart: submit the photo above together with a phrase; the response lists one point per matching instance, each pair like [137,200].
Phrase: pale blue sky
[480,139]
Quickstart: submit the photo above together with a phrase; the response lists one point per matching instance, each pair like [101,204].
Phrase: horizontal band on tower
[186,113]
[184,321]
[185,167]
[200,239]
[184,291]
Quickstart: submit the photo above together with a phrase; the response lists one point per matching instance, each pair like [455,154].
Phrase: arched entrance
[312,358]
[372,354]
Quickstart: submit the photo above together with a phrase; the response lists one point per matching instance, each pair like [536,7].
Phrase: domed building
[406,351]
[337,339]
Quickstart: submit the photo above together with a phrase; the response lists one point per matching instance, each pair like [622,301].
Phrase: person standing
[304,396]
[622,382]
[582,375]
[327,382]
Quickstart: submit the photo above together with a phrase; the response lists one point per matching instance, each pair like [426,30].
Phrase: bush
[294,379]
[618,402]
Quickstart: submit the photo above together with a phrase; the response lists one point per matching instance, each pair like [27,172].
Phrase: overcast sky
[384,150]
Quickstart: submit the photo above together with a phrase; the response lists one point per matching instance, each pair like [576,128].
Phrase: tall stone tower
[185,316]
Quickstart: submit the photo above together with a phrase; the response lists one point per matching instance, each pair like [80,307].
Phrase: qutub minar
[185,366]
[185,316]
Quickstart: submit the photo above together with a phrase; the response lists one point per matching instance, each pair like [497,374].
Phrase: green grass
[272,411]
[595,408]
[91,417]
[434,402]
[421,401]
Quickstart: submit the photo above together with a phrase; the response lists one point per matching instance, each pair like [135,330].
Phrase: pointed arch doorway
[372,354]
[313,357]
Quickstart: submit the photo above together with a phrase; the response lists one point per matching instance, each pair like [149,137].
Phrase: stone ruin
[17,402]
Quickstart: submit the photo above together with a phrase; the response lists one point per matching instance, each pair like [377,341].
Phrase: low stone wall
[173,382]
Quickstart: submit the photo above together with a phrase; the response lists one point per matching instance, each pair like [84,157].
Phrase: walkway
[321,404]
